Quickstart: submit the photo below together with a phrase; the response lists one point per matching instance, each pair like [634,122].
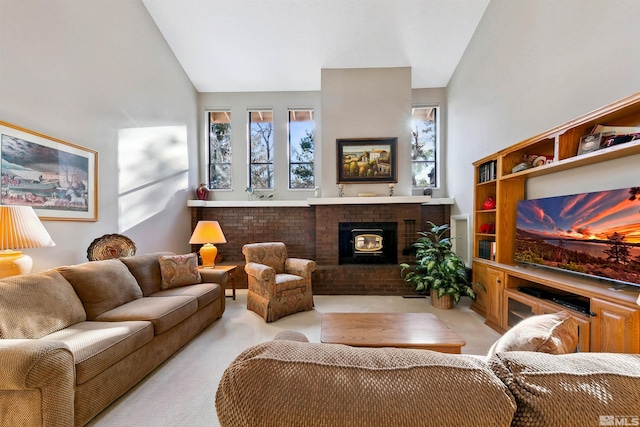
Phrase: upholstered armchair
[278,285]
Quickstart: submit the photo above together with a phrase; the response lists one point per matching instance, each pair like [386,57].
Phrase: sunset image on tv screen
[596,233]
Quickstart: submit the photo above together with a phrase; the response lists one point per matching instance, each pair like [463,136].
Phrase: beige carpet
[181,391]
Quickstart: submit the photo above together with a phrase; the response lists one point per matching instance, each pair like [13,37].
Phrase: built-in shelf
[380,200]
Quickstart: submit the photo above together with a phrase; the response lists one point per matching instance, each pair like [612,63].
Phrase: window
[261,149]
[301,149]
[220,150]
[424,145]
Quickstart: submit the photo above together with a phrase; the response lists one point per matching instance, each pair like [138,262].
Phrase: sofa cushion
[164,313]
[555,333]
[35,305]
[102,285]
[179,270]
[146,269]
[572,389]
[98,345]
[294,383]
[205,293]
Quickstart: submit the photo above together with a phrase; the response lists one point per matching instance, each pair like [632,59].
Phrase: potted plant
[438,269]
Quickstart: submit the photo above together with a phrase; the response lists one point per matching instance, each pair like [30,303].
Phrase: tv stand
[608,315]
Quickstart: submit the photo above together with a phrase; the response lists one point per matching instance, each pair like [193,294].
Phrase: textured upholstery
[98,345]
[204,293]
[572,389]
[36,383]
[146,269]
[39,304]
[292,383]
[164,313]
[72,367]
[278,285]
[102,285]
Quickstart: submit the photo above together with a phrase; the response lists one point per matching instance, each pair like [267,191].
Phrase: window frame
[290,163]
[250,162]
[437,164]
[210,163]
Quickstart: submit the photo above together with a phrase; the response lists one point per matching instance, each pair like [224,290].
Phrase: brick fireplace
[313,231]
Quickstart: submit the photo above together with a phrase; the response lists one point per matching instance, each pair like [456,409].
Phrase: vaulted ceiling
[282,45]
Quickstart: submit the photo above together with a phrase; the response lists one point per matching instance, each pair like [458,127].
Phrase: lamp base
[208,253]
[13,263]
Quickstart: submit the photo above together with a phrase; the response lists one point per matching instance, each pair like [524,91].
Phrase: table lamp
[207,233]
[20,228]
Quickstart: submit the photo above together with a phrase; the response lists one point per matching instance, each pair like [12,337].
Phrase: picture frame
[589,143]
[367,160]
[58,179]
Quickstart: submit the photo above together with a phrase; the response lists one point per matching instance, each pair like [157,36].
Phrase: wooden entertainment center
[612,320]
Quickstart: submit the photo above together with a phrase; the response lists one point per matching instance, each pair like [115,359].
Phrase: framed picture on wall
[367,160]
[59,180]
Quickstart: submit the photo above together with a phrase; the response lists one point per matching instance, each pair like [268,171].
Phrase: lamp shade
[20,228]
[207,233]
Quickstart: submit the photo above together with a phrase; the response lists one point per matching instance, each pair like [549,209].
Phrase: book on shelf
[616,130]
[487,171]
[487,249]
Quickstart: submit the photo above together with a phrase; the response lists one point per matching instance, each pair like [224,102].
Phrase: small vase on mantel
[202,192]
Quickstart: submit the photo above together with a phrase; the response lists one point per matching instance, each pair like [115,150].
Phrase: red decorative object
[488,228]
[202,192]
[490,203]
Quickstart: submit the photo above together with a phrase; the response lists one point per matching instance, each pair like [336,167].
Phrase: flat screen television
[593,234]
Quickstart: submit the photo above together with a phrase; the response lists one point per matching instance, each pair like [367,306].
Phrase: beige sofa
[291,382]
[74,339]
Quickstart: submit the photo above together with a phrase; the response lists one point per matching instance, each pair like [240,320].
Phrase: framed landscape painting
[367,160]
[58,179]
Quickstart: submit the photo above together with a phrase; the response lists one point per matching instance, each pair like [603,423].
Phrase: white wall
[100,75]
[366,103]
[533,65]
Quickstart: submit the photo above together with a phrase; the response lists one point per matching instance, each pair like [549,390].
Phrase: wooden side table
[229,269]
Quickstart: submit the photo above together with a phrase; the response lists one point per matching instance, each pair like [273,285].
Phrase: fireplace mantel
[378,200]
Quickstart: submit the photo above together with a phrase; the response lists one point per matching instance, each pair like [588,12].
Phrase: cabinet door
[479,273]
[584,324]
[495,289]
[517,307]
[614,328]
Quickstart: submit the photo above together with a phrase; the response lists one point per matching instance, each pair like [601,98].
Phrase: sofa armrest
[210,275]
[38,381]
[260,271]
[300,267]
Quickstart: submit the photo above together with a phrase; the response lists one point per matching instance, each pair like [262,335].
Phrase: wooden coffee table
[405,330]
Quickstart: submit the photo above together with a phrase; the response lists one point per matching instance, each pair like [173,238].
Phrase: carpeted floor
[181,391]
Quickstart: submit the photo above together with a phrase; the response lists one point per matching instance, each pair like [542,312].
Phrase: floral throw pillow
[179,270]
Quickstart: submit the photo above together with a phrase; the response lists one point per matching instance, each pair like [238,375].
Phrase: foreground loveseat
[74,339]
[291,382]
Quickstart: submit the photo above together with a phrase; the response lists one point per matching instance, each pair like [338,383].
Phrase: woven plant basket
[444,303]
